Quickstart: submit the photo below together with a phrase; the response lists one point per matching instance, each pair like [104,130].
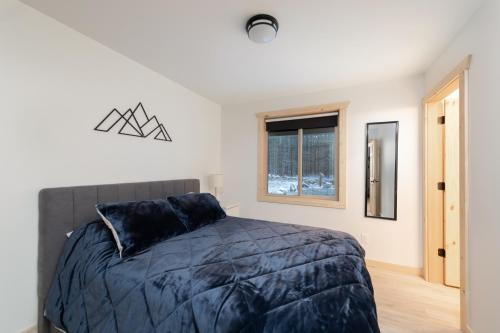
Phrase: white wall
[481,38]
[55,86]
[394,242]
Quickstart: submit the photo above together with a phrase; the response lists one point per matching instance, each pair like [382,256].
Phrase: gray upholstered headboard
[63,209]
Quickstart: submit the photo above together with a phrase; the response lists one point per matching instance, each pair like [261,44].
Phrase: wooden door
[452,192]
[455,80]
[374,178]
[434,196]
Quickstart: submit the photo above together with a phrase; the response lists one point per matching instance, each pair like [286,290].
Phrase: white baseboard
[468,329]
[31,329]
[417,271]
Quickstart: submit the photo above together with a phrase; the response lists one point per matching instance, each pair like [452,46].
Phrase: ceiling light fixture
[262,28]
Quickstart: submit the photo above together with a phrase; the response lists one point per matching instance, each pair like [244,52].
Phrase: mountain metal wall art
[134,123]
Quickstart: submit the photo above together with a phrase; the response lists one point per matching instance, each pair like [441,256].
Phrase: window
[301,156]
[319,161]
[282,163]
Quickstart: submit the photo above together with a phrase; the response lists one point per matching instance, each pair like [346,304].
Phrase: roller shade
[295,123]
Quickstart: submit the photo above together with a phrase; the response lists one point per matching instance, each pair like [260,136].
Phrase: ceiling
[321,44]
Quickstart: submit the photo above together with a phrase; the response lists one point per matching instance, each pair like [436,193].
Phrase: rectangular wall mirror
[381,170]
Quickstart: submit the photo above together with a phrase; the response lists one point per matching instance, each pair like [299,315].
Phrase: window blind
[295,123]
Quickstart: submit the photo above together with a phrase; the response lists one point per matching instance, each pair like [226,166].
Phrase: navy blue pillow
[197,209]
[138,225]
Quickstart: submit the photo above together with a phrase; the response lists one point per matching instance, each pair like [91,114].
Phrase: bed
[234,275]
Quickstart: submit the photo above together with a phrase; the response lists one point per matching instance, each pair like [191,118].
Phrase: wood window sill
[302,200]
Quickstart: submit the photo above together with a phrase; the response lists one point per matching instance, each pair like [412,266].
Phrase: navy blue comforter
[236,275]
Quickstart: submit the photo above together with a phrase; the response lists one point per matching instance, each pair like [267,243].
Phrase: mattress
[235,275]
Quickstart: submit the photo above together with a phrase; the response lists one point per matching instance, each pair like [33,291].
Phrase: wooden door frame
[460,74]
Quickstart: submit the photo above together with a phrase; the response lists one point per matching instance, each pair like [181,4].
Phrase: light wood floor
[408,304]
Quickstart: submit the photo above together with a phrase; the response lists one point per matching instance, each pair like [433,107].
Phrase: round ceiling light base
[262,28]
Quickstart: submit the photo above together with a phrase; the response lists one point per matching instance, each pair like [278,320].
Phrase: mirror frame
[395,172]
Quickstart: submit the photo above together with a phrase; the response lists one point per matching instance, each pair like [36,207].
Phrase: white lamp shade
[262,33]
[216,180]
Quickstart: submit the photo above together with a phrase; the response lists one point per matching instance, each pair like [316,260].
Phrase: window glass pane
[282,163]
[318,162]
